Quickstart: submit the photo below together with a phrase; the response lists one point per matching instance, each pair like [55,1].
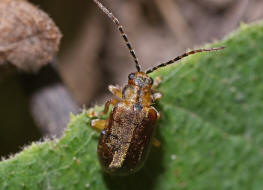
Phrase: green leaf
[211,131]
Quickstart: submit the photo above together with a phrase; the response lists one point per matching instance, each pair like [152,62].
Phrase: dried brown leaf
[29,38]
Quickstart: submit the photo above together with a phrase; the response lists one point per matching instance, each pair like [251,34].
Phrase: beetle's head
[140,79]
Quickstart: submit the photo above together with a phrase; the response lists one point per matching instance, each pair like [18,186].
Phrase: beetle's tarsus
[157,81]
[108,103]
[157,96]
[115,90]
[98,124]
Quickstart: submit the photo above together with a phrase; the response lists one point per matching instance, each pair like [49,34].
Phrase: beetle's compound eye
[131,76]
[151,81]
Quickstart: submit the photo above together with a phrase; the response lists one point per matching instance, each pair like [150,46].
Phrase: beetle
[127,135]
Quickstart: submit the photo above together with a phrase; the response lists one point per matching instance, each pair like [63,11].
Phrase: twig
[175,21]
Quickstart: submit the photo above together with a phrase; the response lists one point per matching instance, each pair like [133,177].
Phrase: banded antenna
[182,56]
[117,23]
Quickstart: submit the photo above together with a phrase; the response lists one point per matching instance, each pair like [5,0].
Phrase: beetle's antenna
[182,56]
[117,23]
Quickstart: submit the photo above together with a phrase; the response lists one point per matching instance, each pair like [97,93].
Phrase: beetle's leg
[92,113]
[157,96]
[98,124]
[158,115]
[153,109]
[156,143]
[116,90]
[108,103]
[157,81]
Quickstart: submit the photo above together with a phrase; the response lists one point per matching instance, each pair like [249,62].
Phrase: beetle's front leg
[116,90]
[156,94]
[157,81]
[108,103]
[91,113]
[99,124]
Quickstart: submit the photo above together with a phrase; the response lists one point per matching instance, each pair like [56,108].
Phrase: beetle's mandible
[127,134]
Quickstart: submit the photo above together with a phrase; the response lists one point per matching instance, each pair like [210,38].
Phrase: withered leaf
[29,38]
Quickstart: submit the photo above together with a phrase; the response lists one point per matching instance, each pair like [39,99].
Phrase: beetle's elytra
[127,134]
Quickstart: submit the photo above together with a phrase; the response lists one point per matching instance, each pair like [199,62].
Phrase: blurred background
[92,55]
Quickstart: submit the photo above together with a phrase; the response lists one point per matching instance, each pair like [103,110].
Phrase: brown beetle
[127,134]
